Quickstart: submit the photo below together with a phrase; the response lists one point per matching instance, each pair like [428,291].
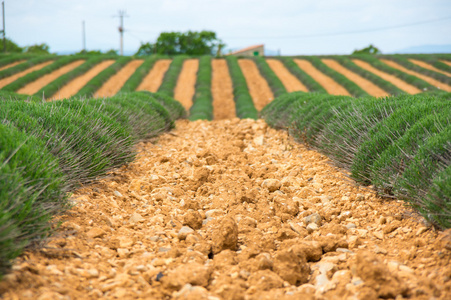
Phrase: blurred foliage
[188,43]
[368,50]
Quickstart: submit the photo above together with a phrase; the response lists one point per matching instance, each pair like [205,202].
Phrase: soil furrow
[391,78]
[364,83]
[153,80]
[232,209]
[258,87]
[72,87]
[41,82]
[11,65]
[222,90]
[114,84]
[446,62]
[428,79]
[328,83]
[428,66]
[186,83]
[10,79]
[291,83]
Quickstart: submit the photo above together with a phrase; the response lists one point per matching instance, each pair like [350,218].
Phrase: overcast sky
[293,26]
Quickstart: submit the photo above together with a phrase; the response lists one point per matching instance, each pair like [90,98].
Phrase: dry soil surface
[8,80]
[446,62]
[232,209]
[291,83]
[222,90]
[258,87]
[41,82]
[388,77]
[328,83]
[72,87]
[428,79]
[114,84]
[364,83]
[11,65]
[153,80]
[428,66]
[186,83]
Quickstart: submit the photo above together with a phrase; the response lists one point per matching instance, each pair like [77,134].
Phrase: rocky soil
[232,209]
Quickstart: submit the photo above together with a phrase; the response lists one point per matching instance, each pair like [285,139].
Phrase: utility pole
[84,36]
[121,15]
[3,31]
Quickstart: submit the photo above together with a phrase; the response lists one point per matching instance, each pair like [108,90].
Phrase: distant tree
[11,47]
[368,50]
[91,52]
[37,49]
[112,52]
[189,43]
[145,49]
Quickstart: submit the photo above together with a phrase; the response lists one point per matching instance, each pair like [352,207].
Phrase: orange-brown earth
[41,82]
[428,66]
[153,80]
[364,83]
[428,79]
[326,82]
[388,77]
[446,62]
[114,84]
[10,79]
[73,86]
[232,209]
[290,82]
[222,90]
[258,87]
[11,65]
[186,83]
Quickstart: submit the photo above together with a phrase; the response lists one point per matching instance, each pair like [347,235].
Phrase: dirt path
[153,80]
[428,66]
[222,91]
[291,83]
[232,209]
[186,83]
[258,86]
[328,83]
[388,77]
[8,80]
[11,65]
[428,79]
[114,84]
[41,82]
[446,62]
[72,87]
[364,83]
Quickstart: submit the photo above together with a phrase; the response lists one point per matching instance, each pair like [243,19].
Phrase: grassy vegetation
[26,65]
[23,81]
[383,84]
[53,87]
[49,148]
[96,83]
[434,60]
[349,85]
[202,108]
[243,101]
[137,77]
[305,78]
[171,76]
[9,59]
[403,61]
[277,87]
[400,145]
[415,81]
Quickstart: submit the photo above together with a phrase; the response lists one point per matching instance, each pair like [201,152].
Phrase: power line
[342,33]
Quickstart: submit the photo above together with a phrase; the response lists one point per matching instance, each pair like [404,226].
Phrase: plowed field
[153,80]
[291,83]
[222,91]
[10,79]
[388,77]
[232,209]
[328,83]
[11,65]
[258,87]
[428,66]
[186,83]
